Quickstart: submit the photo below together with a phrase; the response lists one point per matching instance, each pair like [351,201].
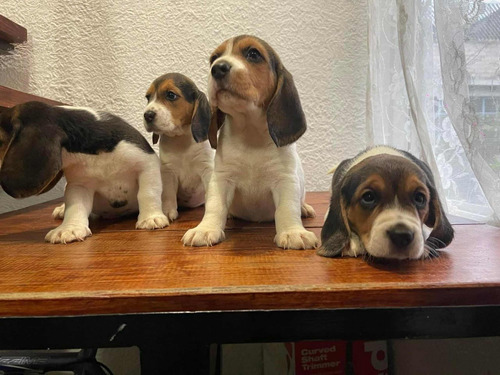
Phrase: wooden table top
[123,270]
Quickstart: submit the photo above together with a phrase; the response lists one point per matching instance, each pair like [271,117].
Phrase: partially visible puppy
[380,201]
[258,174]
[178,113]
[110,168]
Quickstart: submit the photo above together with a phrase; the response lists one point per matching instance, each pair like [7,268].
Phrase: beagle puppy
[179,115]
[381,200]
[257,175]
[110,168]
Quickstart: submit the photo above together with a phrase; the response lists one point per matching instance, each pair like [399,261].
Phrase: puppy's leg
[169,194]
[211,229]
[307,211]
[149,197]
[290,233]
[206,175]
[58,212]
[75,226]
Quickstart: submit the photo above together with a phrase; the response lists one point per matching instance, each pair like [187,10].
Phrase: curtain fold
[434,90]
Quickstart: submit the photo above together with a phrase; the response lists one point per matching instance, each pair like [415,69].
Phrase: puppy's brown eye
[253,55]
[368,199]
[213,58]
[171,96]
[420,199]
[148,97]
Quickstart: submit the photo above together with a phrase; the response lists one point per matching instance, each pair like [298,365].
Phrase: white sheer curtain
[434,90]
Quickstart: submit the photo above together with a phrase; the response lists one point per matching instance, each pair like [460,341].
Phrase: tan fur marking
[360,219]
[219,51]
[257,82]
[180,109]
[407,191]
[151,90]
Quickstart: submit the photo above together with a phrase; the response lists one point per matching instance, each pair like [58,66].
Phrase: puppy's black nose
[400,235]
[149,116]
[220,70]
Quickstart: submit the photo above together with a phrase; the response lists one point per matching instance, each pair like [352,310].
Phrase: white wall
[105,53]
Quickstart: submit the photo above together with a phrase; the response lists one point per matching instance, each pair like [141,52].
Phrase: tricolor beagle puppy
[110,168]
[178,113]
[257,175]
[380,201]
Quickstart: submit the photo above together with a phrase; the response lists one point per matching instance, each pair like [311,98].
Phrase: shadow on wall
[16,69]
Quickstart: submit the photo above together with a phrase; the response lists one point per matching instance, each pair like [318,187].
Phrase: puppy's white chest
[250,165]
[255,173]
[188,163]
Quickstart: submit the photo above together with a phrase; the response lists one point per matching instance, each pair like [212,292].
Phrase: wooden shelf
[10,97]
[11,32]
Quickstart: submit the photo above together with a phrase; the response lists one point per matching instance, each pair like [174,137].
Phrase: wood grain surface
[123,270]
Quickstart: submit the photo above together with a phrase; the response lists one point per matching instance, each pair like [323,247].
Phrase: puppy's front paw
[171,213]
[66,233]
[152,222]
[58,212]
[307,211]
[201,236]
[296,239]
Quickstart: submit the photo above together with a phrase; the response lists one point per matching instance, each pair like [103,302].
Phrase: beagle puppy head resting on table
[175,107]
[380,201]
[248,78]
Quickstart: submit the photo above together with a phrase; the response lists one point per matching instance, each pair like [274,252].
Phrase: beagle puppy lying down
[257,175]
[110,168]
[381,199]
[179,114]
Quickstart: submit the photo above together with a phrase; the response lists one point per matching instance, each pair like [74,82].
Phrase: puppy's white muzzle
[396,234]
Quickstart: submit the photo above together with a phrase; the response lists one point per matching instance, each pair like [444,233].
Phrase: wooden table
[242,290]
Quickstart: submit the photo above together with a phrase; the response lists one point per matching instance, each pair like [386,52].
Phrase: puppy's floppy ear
[216,121]
[200,121]
[335,235]
[442,232]
[32,163]
[285,118]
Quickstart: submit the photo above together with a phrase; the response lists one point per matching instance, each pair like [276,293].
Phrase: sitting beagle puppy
[380,201]
[110,168]
[257,175]
[179,115]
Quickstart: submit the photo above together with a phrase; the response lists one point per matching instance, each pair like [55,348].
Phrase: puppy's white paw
[66,233]
[296,239]
[171,213]
[307,211]
[58,212]
[201,236]
[152,222]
